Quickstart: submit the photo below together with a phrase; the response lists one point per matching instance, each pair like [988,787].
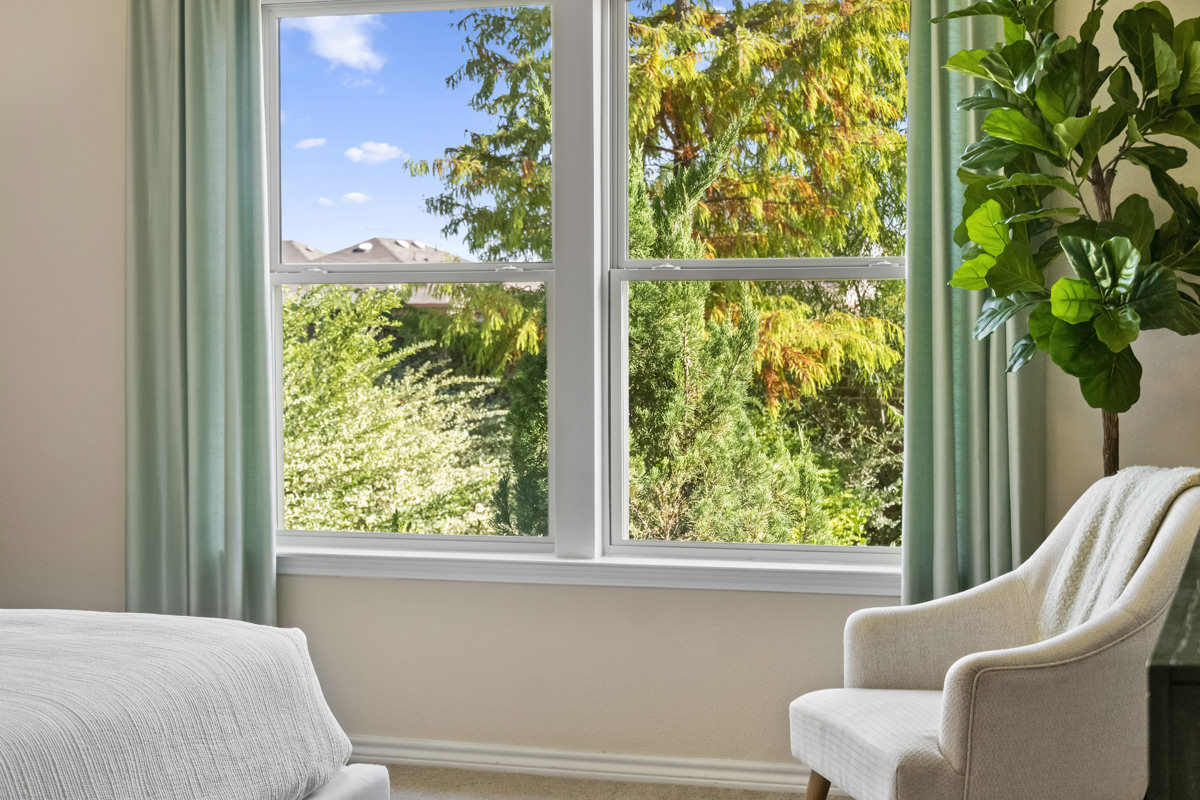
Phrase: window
[621,289]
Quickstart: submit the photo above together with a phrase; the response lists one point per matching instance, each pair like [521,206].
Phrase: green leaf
[998,310]
[1038,15]
[986,228]
[1186,32]
[1069,132]
[1117,387]
[1182,201]
[989,153]
[992,8]
[1013,126]
[1074,301]
[1166,66]
[1091,25]
[1015,271]
[1186,321]
[972,274]
[1154,295]
[1117,327]
[967,62]
[1107,124]
[1120,89]
[1041,325]
[988,96]
[1136,29]
[1043,213]
[1023,351]
[1120,261]
[1084,257]
[1077,350]
[1136,218]
[1189,79]
[1025,78]
[1013,31]
[1181,124]
[1160,156]
[1006,64]
[1035,179]
[1059,94]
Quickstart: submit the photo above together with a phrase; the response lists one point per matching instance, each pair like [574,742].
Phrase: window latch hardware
[509,268]
[881,264]
[664,265]
[315,270]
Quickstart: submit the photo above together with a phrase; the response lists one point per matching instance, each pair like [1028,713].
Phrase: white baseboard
[761,776]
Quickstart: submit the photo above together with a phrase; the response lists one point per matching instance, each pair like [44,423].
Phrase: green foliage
[498,184]
[1060,128]
[365,450]
[698,468]
[521,502]
[767,129]
[818,171]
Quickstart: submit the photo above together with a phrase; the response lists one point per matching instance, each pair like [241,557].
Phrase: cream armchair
[958,698]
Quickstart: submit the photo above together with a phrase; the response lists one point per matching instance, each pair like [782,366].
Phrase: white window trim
[585,547]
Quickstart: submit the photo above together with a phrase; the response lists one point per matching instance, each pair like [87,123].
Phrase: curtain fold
[199,534]
[974,454]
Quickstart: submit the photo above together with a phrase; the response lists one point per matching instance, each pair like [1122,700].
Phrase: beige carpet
[441,783]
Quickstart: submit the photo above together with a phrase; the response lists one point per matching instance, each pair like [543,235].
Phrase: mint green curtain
[974,436]
[199,536]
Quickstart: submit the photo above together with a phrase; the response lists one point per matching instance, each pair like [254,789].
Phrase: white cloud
[374,152]
[324,201]
[308,144]
[355,197]
[353,82]
[342,41]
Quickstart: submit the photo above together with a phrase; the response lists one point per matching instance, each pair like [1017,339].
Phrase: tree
[814,171]
[818,171]
[367,450]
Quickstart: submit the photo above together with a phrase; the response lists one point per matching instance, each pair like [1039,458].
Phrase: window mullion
[576,402]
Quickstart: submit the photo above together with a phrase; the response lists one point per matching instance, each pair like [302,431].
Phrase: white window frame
[586,284]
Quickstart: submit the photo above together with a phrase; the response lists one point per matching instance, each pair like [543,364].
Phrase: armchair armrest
[911,647]
[1078,698]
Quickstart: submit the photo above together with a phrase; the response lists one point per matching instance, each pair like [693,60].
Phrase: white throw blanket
[1114,535]
[97,706]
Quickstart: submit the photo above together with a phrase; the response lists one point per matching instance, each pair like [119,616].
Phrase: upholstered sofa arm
[911,647]
[1026,711]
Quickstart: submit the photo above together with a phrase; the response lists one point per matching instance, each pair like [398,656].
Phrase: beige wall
[62,72]
[671,672]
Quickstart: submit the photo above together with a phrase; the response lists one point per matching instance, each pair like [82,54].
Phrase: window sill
[545,568]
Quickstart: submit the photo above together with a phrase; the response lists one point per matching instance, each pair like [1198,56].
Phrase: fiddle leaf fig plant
[1059,128]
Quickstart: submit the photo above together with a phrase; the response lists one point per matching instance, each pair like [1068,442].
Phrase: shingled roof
[389,251]
[293,252]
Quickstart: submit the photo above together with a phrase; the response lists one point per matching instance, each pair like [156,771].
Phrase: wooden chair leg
[818,787]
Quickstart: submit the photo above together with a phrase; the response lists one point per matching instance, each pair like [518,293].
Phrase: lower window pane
[415,408]
[766,411]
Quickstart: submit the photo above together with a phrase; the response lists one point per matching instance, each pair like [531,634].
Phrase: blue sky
[358,96]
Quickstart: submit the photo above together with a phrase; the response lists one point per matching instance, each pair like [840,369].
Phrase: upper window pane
[766,129]
[414,137]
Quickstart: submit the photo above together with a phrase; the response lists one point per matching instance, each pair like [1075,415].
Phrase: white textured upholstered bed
[141,706]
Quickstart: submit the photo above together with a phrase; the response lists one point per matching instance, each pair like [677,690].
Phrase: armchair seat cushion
[876,744]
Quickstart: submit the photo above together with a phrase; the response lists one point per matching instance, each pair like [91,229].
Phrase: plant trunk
[1102,189]
[1112,444]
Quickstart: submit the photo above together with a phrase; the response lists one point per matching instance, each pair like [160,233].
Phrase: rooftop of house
[379,250]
